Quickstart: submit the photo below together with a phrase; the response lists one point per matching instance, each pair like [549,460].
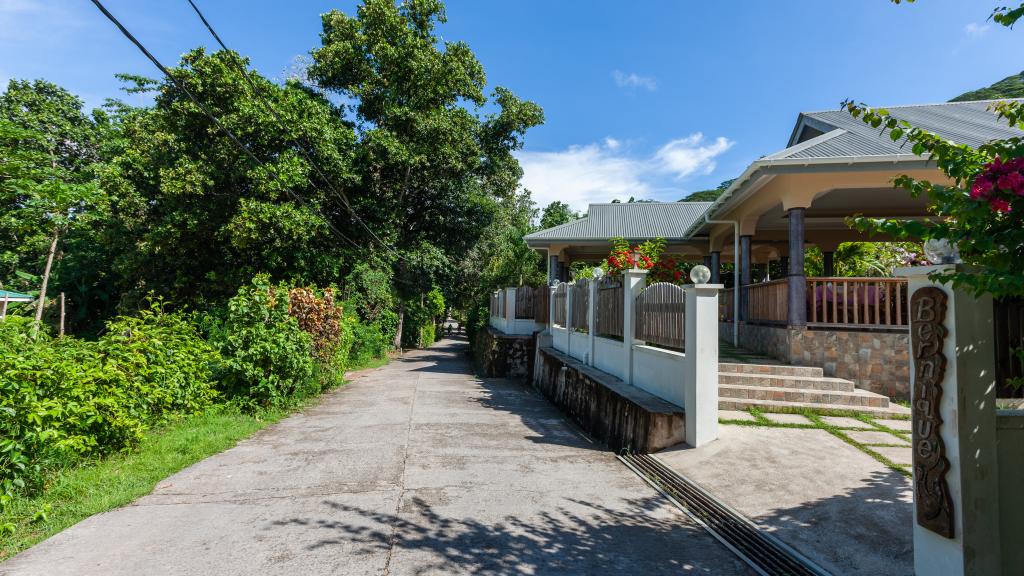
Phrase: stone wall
[500,355]
[608,410]
[875,361]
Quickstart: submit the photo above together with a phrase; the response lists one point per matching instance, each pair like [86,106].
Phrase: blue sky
[652,99]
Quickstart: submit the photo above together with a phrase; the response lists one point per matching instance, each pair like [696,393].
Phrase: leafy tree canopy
[556,214]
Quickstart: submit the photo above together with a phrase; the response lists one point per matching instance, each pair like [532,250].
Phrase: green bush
[420,317]
[64,398]
[266,358]
[369,341]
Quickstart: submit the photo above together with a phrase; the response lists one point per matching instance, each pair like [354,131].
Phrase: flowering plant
[1000,183]
[625,256]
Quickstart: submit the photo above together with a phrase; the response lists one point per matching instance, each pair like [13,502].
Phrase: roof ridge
[926,105]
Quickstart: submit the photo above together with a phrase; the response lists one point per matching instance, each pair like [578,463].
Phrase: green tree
[557,213]
[430,166]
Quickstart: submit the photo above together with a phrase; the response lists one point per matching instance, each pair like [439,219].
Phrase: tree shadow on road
[640,537]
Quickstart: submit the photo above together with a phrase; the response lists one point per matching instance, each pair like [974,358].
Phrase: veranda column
[552,268]
[634,282]
[829,263]
[700,392]
[716,267]
[744,265]
[955,464]
[797,283]
[591,319]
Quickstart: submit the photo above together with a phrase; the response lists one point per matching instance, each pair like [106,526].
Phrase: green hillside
[1011,87]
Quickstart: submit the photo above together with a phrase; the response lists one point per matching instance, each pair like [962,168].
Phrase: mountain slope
[1010,87]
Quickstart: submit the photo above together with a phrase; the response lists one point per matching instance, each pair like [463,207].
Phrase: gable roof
[842,135]
[834,137]
[634,221]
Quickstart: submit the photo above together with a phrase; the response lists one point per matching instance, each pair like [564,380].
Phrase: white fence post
[953,395]
[634,282]
[591,320]
[568,320]
[510,310]
[551,308]
[700,382]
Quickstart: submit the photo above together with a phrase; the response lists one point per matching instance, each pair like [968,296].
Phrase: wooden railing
[857,303]
[560,295]
[660,315]
[767,302]
[725,305]
[608,315]
[580,306]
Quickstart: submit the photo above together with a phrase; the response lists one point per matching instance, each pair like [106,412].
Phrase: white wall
[660,372]
[608,356]
[579,346]
[560,338]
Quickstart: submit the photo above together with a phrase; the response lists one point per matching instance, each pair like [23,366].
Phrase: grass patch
[89,487]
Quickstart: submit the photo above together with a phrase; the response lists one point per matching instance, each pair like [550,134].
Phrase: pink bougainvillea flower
[999,205]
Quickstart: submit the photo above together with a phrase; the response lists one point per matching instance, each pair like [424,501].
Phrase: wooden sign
[927,335]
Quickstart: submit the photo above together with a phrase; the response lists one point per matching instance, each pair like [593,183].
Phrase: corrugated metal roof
[968,123]
[15,296]
[636,220]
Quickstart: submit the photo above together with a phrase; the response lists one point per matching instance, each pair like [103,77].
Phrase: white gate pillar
[634,282]
[953,395]
[700,382]
[568,320]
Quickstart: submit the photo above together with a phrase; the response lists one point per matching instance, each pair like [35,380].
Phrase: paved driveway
[415,468]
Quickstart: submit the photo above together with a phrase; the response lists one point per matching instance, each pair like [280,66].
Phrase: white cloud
[633,80]
[581,175]
[976,30]
[686,156]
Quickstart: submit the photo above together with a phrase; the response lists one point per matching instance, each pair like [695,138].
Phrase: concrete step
[771,369]
[892,410]
[785,381]
[837,397]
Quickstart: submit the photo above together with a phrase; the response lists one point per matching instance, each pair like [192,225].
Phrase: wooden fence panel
[660,315]
[1008,323]
[725,305]
[560,298]
[580,305]
[541,304]
[524,303]
[609,313]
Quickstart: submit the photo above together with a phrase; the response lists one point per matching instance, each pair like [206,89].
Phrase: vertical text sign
[933,502]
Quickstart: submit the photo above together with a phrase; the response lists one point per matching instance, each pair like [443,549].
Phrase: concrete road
[415,468]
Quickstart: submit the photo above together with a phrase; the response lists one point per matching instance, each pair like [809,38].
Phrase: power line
[209,114]
[266,105]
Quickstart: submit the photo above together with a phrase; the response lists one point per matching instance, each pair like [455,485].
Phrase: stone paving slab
[736,415]
[845,510]
[844,422]
[898,455]
[414,468]
[787,418]
[900,425]
[875,437]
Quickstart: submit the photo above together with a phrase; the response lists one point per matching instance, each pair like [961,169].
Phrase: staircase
[748,380]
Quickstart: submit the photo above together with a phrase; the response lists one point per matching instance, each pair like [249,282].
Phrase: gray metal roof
[970,123]
[634,221]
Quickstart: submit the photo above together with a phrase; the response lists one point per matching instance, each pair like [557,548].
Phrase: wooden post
[61,314]
[716,267]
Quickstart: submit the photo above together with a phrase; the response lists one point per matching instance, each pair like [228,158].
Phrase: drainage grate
[764,553]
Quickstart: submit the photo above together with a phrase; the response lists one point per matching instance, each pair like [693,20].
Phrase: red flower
[999,205]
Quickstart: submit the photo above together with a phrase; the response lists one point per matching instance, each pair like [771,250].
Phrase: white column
[700,382]
[510,310]
[568,320]
[967,429]
[551,309]
[634,282]
[591,320]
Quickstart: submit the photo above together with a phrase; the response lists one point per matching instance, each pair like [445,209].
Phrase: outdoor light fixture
[940,251]
[700,274]
[598,273]
[555,282]
[636,259]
